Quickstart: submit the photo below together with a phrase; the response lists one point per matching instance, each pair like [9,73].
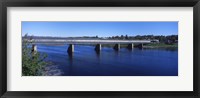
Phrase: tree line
[160,38]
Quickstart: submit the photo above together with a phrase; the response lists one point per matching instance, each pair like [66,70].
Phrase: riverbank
[152,45]
[160,45]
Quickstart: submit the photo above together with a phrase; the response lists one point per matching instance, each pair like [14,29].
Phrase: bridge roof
[90,41]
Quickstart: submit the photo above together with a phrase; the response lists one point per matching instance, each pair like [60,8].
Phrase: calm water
[86,62]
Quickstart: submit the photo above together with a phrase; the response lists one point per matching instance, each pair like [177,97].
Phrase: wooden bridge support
[98,48]
[117,47]
[130,46]
[70,49]
[34,49]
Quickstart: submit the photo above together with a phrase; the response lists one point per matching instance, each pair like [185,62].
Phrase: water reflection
[98,53]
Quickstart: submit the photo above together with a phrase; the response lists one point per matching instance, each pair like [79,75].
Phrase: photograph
[99,48]
[95,48]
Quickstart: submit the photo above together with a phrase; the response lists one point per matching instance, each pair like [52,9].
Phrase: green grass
[161,45]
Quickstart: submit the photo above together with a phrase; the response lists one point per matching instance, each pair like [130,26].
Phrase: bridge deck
[91,41]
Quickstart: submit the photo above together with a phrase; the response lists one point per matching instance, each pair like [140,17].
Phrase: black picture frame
[99,3]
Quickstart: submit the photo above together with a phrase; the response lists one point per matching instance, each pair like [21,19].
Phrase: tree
[126,37]
[32,64]
[122,36]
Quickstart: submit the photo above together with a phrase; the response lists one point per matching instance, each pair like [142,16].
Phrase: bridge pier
[70,49]
[140,45]
[34,49]
[98,48]
[130,46]
[117,47]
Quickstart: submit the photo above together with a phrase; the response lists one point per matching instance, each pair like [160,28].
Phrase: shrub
[32,63]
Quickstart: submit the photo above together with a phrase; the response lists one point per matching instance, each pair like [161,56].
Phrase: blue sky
[101,29]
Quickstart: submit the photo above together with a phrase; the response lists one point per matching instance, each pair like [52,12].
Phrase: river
[86,62]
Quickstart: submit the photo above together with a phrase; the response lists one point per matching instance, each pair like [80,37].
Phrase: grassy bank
[160,45]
